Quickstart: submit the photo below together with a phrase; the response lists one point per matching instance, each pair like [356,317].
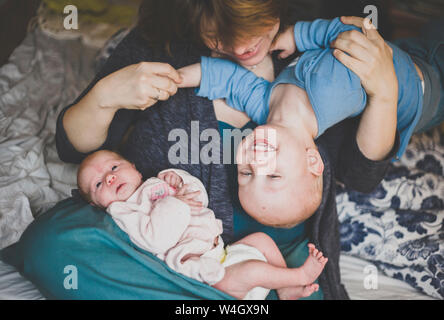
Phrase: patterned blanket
[400,226]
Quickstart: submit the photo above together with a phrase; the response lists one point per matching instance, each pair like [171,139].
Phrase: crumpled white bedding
[42,76]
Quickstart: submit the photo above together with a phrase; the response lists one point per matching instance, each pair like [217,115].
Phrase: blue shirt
[335,92]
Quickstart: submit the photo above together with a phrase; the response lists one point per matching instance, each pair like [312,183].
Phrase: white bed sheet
[354,272]
[14,287]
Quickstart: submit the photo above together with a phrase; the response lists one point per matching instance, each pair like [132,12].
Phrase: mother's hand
[138,86]
[369,57]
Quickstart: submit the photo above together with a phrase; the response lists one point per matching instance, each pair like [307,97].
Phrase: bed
[44,74]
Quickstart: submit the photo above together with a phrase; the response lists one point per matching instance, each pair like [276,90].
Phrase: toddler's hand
[188,197]
[172,178]
[190,75]
[285,42]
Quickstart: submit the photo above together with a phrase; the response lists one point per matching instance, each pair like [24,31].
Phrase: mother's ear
[314,162]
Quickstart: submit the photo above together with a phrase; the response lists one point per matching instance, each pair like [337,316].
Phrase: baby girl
[168,216]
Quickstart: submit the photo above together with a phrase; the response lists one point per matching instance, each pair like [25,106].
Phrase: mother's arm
[372,60]
[123,83]
[369,147]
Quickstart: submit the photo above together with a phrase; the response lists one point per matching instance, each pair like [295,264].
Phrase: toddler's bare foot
[313,266]
[294,293]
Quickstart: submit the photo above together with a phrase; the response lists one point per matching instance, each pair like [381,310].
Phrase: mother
[133,105]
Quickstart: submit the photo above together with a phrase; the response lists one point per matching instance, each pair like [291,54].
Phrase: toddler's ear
[314,162]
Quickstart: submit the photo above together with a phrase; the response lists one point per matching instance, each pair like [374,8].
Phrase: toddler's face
[106,177]
[272,173]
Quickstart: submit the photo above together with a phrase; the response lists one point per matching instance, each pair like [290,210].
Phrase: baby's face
[271,171]
[106,177]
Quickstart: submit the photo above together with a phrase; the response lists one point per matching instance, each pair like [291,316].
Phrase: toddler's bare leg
[308,272]
[273,274]
[266,246]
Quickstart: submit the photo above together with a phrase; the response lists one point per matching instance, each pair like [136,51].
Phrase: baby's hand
[188,198]
[172,178]
[190,75]
[285,42]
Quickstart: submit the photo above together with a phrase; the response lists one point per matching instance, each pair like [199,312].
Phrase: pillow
[400,226]
[76,251]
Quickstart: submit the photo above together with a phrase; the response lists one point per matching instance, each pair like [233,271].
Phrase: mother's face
[249,52]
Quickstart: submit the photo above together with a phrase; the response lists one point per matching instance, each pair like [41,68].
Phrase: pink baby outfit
[160,223]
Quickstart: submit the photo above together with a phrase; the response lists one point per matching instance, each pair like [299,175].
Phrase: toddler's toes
[311,247]
[315,252]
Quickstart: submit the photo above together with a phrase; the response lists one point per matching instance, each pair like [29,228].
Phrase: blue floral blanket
[400,226]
